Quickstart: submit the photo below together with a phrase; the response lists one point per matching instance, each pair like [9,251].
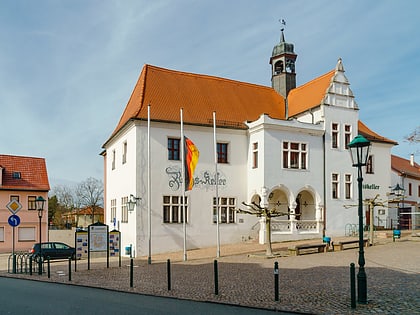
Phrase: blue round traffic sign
[14,220]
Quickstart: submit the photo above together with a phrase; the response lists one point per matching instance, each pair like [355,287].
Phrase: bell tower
[282,61]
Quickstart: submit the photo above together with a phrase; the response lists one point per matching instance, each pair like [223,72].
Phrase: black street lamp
[359,151]
[132,202]
[40,207]
[398,191]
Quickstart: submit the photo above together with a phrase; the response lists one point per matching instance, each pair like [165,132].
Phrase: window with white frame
[174,149]
[222,152]
[369,165]
[334,135]
[124,209]
[173,209]
[113,160]
[348,186]
[113,209]
[1,234]
[124,155]
[334,186]
[226,207]
[295,155]
[255,155]
[347,135]
[31,202]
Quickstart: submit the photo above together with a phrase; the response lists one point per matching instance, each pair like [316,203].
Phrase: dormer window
[16,175]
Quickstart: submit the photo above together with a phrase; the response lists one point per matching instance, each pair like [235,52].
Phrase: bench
[307,249]
[341,245]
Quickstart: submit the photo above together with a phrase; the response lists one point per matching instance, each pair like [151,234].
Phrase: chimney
[412,159]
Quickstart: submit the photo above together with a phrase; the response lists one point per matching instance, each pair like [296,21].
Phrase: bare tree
[414,137]
[90,194]
[257,210]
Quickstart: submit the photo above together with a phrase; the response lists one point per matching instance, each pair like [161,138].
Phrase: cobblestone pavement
[309,284]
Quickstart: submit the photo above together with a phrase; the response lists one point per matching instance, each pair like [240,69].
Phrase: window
[334,186]
[255,155]
[173,209]
[369,165]
[124,210]
[348,186]
[31,203]
[26,234]
[294,155]
[1,234]
[16,175]
[222,153]
[227,212]
[410,191]
[347,135]
[113,160]
[124,156]
[113,209]
[418,192]
[174,149]
[14,197]
[334,135]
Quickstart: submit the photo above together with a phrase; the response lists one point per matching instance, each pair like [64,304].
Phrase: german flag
[190,159]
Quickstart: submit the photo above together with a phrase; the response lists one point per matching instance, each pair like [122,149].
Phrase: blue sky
[68,67]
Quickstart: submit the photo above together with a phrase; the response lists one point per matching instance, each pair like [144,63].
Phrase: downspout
[325,188]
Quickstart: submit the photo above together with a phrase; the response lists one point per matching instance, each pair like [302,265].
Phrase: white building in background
[281,146]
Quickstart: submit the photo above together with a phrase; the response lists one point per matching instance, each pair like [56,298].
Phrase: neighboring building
[406,213]
[281,146]
[22,179]
[82,218]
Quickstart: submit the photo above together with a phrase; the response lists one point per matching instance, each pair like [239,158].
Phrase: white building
[406,213]
[281,146]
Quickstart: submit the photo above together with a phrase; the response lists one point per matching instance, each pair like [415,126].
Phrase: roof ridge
[213,77]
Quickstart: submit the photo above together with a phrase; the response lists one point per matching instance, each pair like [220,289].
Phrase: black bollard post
[30,265]
[276,281]
[69,268]
[168,268]
[216,278]
[14,263]
[131,272]
[353,285]
[49,267]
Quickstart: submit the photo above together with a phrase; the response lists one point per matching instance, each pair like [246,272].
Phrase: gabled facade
[282,147]
[22,179]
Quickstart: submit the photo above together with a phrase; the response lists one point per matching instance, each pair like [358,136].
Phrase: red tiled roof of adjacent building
[404,167]
[23,173]
[167,91]
[373,136]
[308,95]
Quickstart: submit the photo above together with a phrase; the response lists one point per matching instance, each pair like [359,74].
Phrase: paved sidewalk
[309,284]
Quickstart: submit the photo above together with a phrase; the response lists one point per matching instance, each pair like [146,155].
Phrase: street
[35,297]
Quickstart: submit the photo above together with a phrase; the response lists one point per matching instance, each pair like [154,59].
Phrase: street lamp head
[132,202]
[359,150]
[398,190]
[40,202]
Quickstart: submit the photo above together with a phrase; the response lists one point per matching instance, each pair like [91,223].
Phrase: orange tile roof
[309,95]
[371,135]
[403,166]
[33,173]
[167,91]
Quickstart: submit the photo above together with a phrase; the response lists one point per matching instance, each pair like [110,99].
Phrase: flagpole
[217,187]
[149,184]
[184,225]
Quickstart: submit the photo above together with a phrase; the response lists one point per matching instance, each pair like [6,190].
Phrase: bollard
[276,281]
[14,263]
[168,269]
[353,285]
[216,278]
[69,268]
[40,258]
[131,272]
[30,265]
[49,267]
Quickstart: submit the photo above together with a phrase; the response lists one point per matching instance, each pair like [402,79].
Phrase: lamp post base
[361,286]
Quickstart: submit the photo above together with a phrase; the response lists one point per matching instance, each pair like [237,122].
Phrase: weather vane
[283,23]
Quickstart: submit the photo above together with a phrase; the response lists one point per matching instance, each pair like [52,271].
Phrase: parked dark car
[54,250]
